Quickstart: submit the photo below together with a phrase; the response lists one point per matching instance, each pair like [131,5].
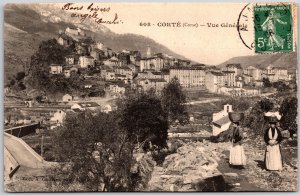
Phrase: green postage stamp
[273,28]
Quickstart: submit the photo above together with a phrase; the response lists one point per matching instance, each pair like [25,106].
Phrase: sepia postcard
[150,97]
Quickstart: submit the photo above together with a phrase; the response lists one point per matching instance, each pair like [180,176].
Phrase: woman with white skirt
[272,137]
[237,156]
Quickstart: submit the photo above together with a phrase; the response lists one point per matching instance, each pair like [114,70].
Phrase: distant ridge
[288,60]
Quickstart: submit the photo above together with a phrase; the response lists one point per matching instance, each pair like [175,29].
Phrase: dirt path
[254,177]
[235,178]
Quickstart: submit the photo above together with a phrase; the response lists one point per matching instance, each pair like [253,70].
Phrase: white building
[86,61]
[108,108]
[55,69]
[117,89]
[67,98]
[58,117]
[221,121]
[85,106]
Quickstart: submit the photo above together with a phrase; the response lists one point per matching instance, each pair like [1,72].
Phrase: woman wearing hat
[272,137]
[237,156]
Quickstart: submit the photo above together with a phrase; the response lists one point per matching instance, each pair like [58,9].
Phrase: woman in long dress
[272,137]
[237,155]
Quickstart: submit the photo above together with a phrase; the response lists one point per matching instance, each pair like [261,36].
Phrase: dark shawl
[266,135]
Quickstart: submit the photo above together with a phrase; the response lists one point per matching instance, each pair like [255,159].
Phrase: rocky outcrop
[192,168]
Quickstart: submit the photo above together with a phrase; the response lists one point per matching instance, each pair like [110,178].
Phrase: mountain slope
[288,60]
[26,25]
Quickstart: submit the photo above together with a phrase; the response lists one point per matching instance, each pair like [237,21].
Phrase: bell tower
[148,52]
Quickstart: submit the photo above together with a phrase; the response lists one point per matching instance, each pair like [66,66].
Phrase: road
[203,101]
[24,156]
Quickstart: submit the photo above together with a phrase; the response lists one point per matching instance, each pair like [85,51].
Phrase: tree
[20,76]
[21,86]
[12,82]
[280,86]
[255,118]
[144,119]
[267,83]
[173,101]
[288,110]
[96,152]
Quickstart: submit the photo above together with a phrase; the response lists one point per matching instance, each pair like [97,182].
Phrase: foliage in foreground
[100,150]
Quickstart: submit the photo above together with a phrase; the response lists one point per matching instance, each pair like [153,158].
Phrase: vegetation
[255,118]
[173,101]
[145,120]
[97,152]
[50,52]
[267,83]
[239,104]
[288,110]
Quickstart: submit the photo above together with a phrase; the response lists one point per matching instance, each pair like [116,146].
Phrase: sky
[208,45]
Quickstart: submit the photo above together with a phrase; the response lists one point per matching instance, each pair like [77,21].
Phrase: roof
[124,68]
[120,75]
[222,121]
[217,73]
[148,70]
[114,59]
[247,75]
[88,104]
[157,73]
[250,87]
[87,57]
[73,28]
[76,110]
[97,50]
[157,80]
[104,67]
[252,67]
[227,71]
[66,37]
[234,65]
[189,68]
[55,65]
[73,56]
[68,67]
[280,68]
[153,57]
[119,84]
[197,65]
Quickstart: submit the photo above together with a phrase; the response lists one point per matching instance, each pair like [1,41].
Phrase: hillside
[26,25]
[288,60]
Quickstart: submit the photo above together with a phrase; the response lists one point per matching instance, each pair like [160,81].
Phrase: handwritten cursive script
[92,12]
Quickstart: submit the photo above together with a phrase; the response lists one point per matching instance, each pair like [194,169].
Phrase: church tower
[148,52]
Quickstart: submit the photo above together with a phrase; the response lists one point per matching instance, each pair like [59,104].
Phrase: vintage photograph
[150,97]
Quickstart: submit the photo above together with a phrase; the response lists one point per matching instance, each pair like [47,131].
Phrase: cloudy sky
[209,45]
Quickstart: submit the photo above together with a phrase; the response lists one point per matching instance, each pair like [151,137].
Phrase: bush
[20,76]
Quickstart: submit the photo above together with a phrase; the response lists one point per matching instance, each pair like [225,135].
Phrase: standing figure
[237,156]
[269,26]
[272,137]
